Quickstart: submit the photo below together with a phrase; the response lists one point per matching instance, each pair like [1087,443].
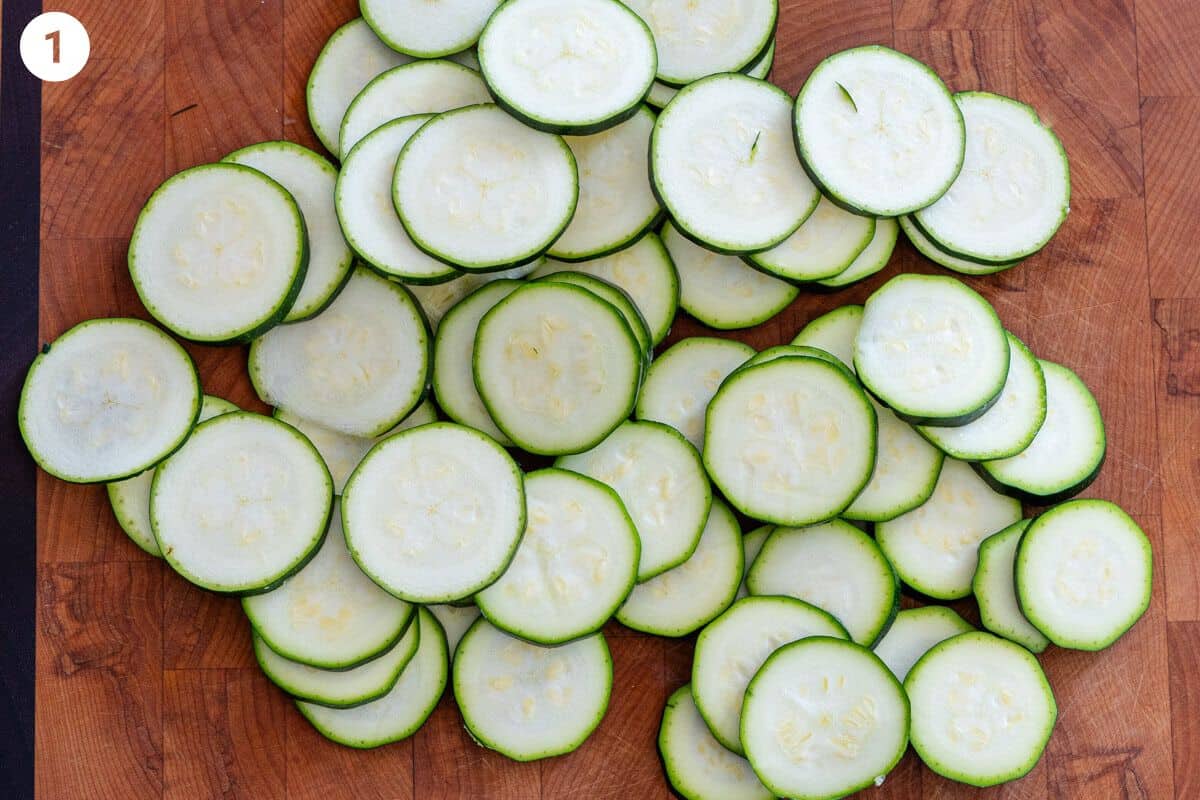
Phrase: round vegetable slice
[834,332]
[995,590]
[913,632]
[360,367]
[528,701]
[1083,574]
[436,299]
[871,260]
[435,513]
[698,767]
[243,505]
[576,563]
[982,710]
[752,544]
[906,470]
[661,93]
[219,253]
[455,621]
[615,296]
[824,718]
[477,189]
[428,30]
[929,248]
[824,245]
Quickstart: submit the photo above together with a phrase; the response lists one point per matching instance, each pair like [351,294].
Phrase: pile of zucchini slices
[524,196]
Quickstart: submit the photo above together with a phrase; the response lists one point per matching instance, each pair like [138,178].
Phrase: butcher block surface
[146,686]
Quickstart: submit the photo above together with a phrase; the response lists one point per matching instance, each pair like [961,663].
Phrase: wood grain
[147,686]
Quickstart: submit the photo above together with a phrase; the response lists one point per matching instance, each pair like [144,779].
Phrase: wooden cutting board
[146,686]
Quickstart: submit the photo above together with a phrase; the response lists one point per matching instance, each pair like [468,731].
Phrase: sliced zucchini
[826,244]
[1008,427]
[557,367]
[616,204]
[723,164]
[528,701]
[699,39]
[835,567]
[721,291]
[929,248]
[791,441]
[329,614]
[662,484]
[615,296]
[419,88]
[834,332]
[1083,574]
[363,201]
[243,505]
[455,621]
[1068,450]
[644,270]
[219,253]
[982,710]
[310,179]
[342,452]
[661,93]
[995,589]
[468,58]
[428,30]
[1014,190]
[698,767]
[454,354]
[871,260]
[344,688]
[824,718]
[906,470]
[752,544]
[686,598]
[932,349]
[399,713]
[435,300]
[108,399]
[130,498]
[786,350]
[913,632]
[360,367]
[682,381]
[477,189]
[435,513]
[733,648]
[879,131]
[576,564]
[576,67]
[934,548]
[348,61]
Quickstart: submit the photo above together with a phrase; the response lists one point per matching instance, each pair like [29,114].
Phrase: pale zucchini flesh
[834,332]
[914,632]
[994,586]
[930,249]
[455,621]
[428,30]
[871,260]
[906,470]
[824,245]
[698,766]
[615,296]
[662,93]
[752,544]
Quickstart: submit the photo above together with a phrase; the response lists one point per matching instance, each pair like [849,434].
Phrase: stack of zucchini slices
[496,240]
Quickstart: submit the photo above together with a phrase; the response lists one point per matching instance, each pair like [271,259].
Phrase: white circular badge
[55,46]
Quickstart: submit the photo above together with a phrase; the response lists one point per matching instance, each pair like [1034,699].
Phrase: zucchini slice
[399,713]
[982,710]
[435,513]
[576,563]
[932,349]
[732,649]
[930,249]
[879,131]
[360,367]
[310,179]
[752,544]
[1083,574]
[824,718]
[329,614]
[661,482]
[824,245]
[1068,450]
[130,498]
[1014,190]
[243,505]
[557,367]
[698,767]
[436,299]
[913,632]
[834,332]
[871,260]
[684,599]
[219,253]
[616,205]
[906,470]
[568,66]
[108,399]
[661,93]
[615,296]
[934,548]
[422,87]
[363,202]
[343,688]
[477,189]
[455,621]
[791,441]
[835,567]
[723,164]
[995,590]
[527,701]
[721,291]
[428,30]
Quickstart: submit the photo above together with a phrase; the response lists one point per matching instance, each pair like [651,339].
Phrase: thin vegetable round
[995,589]
[906,470]
[914,632]
[698,767]
[824,245]
[428,30]
[834,332]
[930,249]
[615,296]
[871,260]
